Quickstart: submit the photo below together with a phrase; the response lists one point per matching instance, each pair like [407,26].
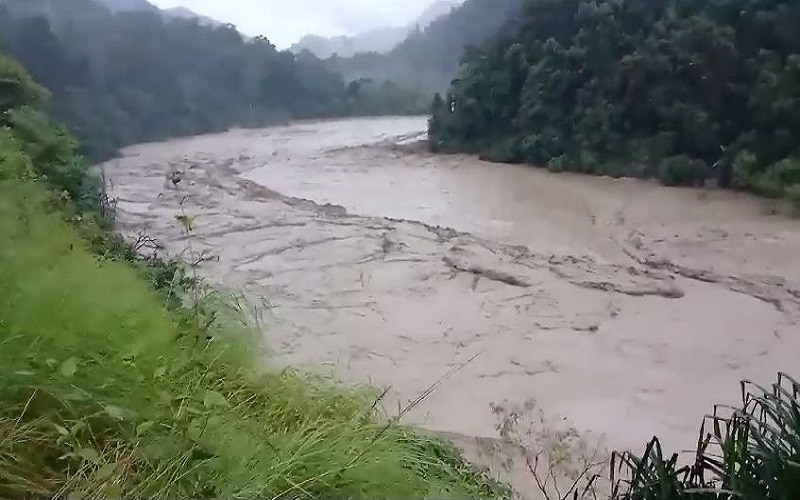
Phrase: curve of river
[619,308]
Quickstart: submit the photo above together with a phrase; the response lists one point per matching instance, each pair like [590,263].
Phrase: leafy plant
[651,476]
[17,88]
[745,167]
[749,452]
[682,171]
[793,195]
[758,453]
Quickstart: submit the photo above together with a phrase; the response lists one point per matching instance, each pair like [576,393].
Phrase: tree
[675,89]
[127,77]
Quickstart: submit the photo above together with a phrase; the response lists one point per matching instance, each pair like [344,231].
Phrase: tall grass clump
[111,387]
[751,452]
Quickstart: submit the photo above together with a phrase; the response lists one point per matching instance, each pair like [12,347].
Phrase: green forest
[129,77]
[684,91]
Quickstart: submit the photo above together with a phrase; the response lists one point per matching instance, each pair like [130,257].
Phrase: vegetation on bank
[130,77]
[111,386]
[678,90]
[751,452]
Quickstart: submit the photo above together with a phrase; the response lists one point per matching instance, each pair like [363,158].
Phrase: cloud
[285,21]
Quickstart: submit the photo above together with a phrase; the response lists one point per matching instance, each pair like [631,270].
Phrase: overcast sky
[285,21]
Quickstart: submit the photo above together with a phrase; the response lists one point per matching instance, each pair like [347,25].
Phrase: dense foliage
[429,58]
[676,89]
[127,77]
[365,96]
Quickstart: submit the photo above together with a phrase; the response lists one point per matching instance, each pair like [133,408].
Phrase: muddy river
[617,308]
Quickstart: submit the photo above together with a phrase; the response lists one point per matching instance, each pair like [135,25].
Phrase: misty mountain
[145,6]
[380,40]
[428,59]
[128,5]
[184,13]
[435,11]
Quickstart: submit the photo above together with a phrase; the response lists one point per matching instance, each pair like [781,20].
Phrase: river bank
[616,308]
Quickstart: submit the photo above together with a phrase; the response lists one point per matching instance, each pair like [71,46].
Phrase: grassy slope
[101,396]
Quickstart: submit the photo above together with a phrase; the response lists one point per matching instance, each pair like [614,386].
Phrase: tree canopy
[676,89]
[125,77]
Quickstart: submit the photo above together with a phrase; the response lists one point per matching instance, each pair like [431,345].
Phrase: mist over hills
[380,40]
[128,5]
[145,6]
[428,59]
[422,57]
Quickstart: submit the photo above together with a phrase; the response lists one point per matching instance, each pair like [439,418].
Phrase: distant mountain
[145,6]
[380,40]
[184,13]
[437,9]
[429,57]
[128,5]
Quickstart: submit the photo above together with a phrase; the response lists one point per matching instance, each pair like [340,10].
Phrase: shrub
[532,150]
[14,163]
[793,195]
[752,452]
[682,171]
[766,184]
[558,164]
[745,166]
[506,151]
[17,88]
[614,169]
[587,161]
[787,171]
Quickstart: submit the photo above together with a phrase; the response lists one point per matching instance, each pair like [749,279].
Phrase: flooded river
[619,308]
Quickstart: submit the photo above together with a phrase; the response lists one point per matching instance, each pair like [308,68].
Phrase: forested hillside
[429,58]
[127,77]
[676,89]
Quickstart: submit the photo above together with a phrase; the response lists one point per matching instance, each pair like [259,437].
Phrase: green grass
[106,392]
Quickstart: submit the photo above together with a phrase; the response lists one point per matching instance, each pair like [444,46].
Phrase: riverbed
[616,308]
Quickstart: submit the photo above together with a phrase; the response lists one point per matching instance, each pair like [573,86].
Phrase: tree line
[680,90]
[128,77]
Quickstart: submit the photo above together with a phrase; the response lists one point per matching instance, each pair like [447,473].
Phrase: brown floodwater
[542,302]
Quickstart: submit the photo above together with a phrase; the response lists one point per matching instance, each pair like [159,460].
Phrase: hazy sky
[285,21]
